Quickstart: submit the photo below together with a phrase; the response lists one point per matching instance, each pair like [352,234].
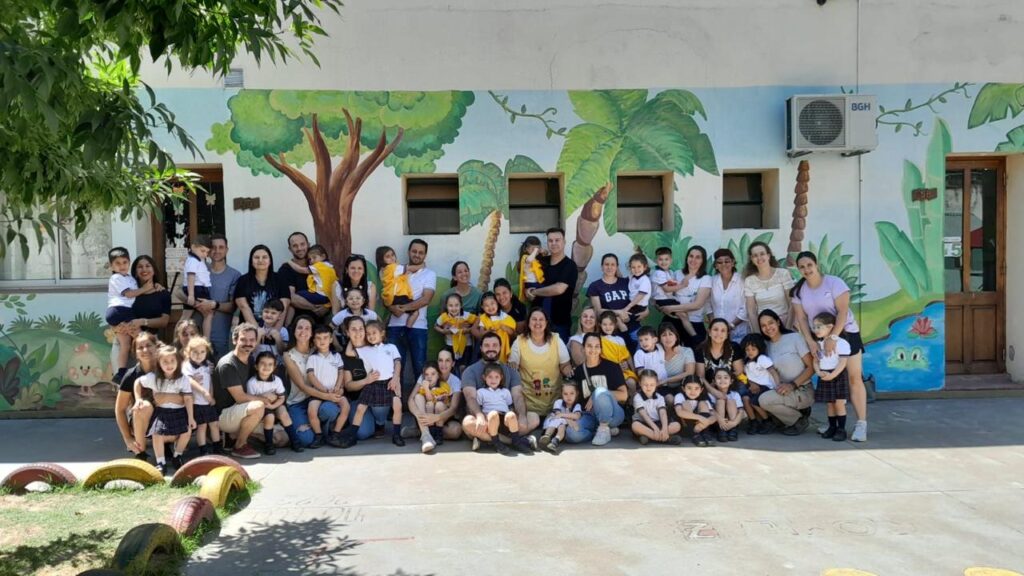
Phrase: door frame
[204,173]
[967,163]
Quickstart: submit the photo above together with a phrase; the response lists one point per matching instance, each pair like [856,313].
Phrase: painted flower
[922,328]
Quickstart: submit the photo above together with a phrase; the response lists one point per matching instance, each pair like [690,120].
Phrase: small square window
[644,202]
[432,204]
[750,199]
[534,203]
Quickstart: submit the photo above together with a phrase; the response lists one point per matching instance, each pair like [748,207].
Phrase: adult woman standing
[301,392]
[542,360]
[354,276]
[461,285]
[509,305]
[792,398]
[610,291]
[679,360]
[766,286]
[132,414]
[727,300]
[718,351]
[816,293]
[603,390]
[259,286]
[588,325]
[152,310]
[693,295]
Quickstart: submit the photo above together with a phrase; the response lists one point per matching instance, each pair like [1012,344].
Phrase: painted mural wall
[330,163]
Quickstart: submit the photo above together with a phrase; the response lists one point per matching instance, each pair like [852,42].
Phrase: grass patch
[71,529]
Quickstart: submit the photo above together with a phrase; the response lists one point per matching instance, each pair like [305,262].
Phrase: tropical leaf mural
[739,249]
[832,260]
[623,131]
[483,197]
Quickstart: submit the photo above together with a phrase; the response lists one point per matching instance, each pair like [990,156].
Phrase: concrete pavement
[939,488]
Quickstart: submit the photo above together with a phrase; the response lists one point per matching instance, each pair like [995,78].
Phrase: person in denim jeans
[412,341]
[604,391]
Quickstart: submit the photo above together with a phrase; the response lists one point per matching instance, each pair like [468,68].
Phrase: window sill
[29,287]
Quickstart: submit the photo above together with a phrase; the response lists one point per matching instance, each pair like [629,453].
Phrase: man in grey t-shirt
[474,424]
[222,286]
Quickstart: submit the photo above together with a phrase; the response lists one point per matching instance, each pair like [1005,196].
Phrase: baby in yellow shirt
[394,278]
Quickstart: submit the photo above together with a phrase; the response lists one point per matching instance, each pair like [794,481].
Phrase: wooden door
[974,246]
[199,214]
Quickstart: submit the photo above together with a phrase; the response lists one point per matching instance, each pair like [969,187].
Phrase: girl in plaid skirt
[384,359]
[172,394]
[833,385]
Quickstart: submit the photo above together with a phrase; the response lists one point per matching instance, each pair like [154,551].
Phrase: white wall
[1014,268]
[540,44]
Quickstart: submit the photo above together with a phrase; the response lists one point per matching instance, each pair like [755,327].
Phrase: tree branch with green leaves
[891,117]
[550,128]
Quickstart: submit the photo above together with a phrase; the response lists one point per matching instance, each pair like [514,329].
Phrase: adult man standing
[240,413]
[555,296]
[298,245]
[412,340]
[222,287]
[474,424]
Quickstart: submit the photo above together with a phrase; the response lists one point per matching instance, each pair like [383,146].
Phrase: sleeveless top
[540,375]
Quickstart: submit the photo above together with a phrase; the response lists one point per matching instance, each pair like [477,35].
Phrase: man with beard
[555,296]
[240,413]
[298,245]
[412,340]
[474,424]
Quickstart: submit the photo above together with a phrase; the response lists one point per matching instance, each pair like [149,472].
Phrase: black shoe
[162,468]
[767,427]
[793,430]
[753,426]
[144,456]
[500,447]
[269,449]
[297,447]
[177,461]
[830,433]
[437,433]
[333,439]
[643,440]
[204,449]
[840,435]
[699,439]
[218,449]
[732,435]
[674,440]
[521,444]
[552,446]
[722,436]
[397,439]
[318,441]
[378,431]
[804,422]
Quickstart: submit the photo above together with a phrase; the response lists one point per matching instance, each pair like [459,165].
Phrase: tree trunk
[487,262]
[587,226]
[331,195]
[799,225]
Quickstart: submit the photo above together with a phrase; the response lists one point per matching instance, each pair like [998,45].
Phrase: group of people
[309,353]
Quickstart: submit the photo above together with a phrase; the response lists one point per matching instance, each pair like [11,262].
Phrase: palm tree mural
[799,225]
[483,199]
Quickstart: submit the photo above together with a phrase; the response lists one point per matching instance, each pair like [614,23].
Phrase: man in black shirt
[555,296]
[298,245]
[240,413]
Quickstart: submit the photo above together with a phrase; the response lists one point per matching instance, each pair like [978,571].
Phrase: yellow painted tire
[986,571]
[52,474]
[124,469]
[139,545]
[219,483]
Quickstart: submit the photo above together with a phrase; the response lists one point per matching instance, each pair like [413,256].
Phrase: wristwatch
[833,337]
[145,321]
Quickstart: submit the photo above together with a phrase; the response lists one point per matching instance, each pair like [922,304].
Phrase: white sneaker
[428,442]
[603,436]
[533,441]
[860,431]
[476,445]
[823,428]
[615,431]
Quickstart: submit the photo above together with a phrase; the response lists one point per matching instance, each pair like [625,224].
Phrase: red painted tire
[140,543]
[188,513]
[52,474]
[202,466]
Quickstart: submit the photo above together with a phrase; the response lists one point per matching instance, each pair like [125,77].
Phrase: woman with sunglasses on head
[727,300]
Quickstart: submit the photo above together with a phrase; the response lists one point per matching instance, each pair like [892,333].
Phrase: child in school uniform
[565,413]
[394,278]
[321,277]
[728,410]
[639,292]
[355,305]
[266,385]
[323,373]
[760,376]
[197,283]
[531,273]
[455,324]
[833,383]
[198,369]
[273,335]
[664,284]
[694,408]
[650,416]
[650,355]
[122,289]
[172,416]
[386,391]
[495,401]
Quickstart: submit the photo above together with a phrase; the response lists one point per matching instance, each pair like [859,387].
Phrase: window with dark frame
[432,205]
[743,197]
[641,202]
[534,203]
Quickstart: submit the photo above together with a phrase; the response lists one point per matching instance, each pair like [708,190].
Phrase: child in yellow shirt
[531,274]
[394,278]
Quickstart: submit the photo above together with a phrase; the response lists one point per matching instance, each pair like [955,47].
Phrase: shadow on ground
[284,547]
[76,549]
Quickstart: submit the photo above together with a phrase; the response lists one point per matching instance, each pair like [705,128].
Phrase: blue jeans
[585,433]
[374,415]
[411,344]
[327,414]
[606,409]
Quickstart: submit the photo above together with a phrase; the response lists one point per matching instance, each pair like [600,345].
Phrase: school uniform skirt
[838,389]
[204,413]
[376,394]
[169,421]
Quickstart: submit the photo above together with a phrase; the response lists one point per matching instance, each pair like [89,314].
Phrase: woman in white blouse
[766,286]
[693,295]
[727,300]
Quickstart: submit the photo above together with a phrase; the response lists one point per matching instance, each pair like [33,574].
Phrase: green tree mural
[623,131]
[278,132]
[994,103]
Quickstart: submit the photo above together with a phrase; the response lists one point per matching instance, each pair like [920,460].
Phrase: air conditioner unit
[842,123]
